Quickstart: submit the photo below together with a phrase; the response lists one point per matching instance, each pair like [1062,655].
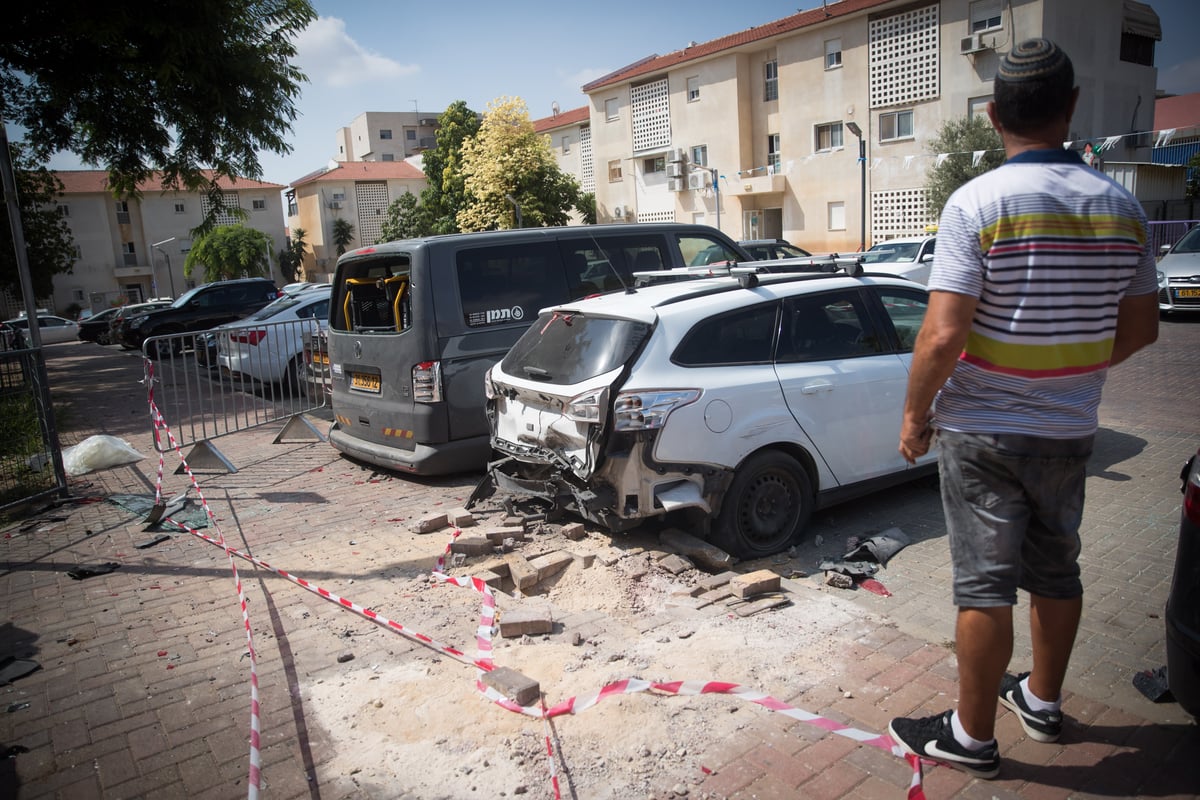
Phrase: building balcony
[132,272]
[758,183]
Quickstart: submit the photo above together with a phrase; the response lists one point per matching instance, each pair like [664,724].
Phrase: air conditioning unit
[619,212]
[676,169]
[676,184]
[971,44]
[677,155]
[699,180]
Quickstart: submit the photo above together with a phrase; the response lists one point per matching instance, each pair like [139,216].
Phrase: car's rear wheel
[766,507]
[165,348]
[295,380]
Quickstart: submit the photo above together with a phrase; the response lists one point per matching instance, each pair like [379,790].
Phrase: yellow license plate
[1187,292]
[365,383]
[322,358]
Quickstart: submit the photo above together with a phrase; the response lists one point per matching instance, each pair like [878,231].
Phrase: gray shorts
[1013,507]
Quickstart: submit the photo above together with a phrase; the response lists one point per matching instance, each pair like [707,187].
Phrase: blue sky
[376,55]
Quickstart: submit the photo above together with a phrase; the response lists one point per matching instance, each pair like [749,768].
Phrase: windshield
[185,297]
[892,251]
[1190,243]
[567,348]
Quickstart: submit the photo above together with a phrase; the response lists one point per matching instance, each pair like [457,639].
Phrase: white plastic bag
[98,452]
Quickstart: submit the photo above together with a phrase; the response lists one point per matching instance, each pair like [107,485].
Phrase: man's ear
[991,112]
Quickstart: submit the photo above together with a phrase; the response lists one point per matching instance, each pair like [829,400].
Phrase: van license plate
[1187,292]
[364,382]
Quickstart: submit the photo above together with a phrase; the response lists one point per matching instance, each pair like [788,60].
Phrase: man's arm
[939,344]
[1137,326]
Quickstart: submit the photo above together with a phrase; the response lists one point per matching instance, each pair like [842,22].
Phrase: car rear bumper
[463,455]
[1183,664]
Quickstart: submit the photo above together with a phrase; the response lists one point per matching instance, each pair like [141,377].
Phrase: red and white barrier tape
[484,662]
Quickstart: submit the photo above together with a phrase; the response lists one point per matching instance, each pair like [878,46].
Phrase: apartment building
[357,191]
[760,132]
[570,135]
[386,136]
[130,249]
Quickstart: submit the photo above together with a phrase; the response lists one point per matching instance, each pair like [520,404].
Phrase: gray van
[415,324]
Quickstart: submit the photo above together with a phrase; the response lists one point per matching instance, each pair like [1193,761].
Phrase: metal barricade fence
[229,379]
[1168,232]
[28,469]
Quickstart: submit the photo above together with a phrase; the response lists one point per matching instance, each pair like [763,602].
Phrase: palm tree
[343,234]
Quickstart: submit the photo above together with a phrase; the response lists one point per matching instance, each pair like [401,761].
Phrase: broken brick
[526,622]
[430,523]
[753,583]
[513,685]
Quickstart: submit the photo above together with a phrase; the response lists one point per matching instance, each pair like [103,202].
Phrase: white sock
[1036,703]
[964,738]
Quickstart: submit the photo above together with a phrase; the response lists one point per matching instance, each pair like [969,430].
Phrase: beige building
[134,249]
[386,136]
[357,191]
[758,132]
[570,135]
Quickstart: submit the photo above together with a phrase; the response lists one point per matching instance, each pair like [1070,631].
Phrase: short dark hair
[1033,86]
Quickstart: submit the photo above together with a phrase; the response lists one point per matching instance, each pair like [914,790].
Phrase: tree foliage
[509,159]
[961,138]
[405,219]
[48,241]
[145,87]
[586,206]
[229,251]
[291,259]
[343,234]
[442,165]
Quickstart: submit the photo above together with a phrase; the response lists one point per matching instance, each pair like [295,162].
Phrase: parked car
[910,258]
[95,327]
[198,309]
[1179,274]
[750,401]
[318,379]
[1183,603]
[53,329]
[267,347]
[125,312]
[771,249]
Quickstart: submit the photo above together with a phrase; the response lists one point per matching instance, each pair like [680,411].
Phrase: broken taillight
[427,382]
[584,407]
[648,410]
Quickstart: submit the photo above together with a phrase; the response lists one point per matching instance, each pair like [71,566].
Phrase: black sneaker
[1043,726]
[932,737]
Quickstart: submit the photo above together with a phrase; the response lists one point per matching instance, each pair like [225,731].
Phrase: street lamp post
[862,167]
[515,205]
[158,246]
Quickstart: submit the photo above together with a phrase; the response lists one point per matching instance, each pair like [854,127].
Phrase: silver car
[1179,275]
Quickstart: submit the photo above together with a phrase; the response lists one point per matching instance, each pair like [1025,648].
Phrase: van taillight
[427,382]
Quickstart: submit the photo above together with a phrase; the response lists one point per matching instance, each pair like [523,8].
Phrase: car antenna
[616,272]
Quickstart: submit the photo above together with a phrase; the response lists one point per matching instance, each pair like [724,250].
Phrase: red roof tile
[563,119]
[364,171]
[656,63]
[1181,111]
[95,181]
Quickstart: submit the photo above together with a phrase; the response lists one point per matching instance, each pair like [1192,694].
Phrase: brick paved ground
[108,716]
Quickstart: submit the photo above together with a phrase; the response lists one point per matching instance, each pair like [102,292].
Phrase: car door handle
[816,386]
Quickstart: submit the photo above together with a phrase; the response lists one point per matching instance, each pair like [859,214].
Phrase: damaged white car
[749,401]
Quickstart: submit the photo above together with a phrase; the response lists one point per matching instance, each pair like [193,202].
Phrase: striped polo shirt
[1049,246]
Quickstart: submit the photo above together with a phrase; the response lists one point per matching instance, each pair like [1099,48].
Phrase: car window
[745,336]
[317,310]
[1190,243]
[500,285]
[906,309]
[699,251]
[789,251]
[891,251]
[565,349]
[827,326]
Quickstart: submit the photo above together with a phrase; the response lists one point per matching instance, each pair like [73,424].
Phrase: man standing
[1043,278]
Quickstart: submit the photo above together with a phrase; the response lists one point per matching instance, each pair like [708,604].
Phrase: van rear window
[499,285]
[565,349]
[373,297]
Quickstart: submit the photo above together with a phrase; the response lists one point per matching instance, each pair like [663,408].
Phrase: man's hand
[915,436]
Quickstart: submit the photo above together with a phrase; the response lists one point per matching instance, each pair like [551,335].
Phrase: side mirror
[1164,249]
[925,259]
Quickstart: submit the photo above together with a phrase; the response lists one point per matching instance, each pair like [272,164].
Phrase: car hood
[1181,265]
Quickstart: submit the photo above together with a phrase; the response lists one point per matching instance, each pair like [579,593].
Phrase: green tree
[48,241]
[509,159]
[343,234]
[442,165]
[229,251]
[170,87]
[961,138]
[406,219]
[586,206]
[291,260]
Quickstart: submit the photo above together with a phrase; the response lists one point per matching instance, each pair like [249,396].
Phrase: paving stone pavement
[138,694]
